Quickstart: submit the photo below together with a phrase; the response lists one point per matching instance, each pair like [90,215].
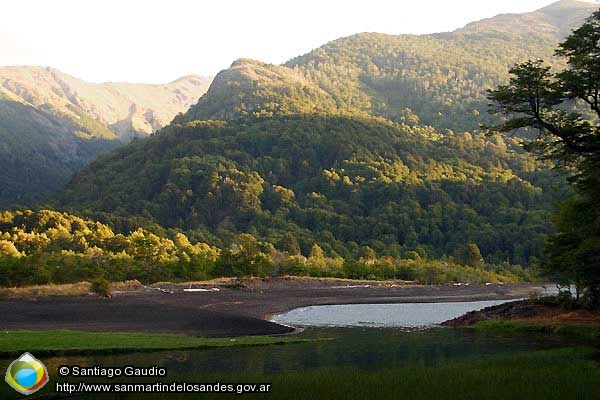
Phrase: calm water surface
[405,315]
[358,348]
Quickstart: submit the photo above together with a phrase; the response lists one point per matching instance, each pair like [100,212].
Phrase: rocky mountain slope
[52,124]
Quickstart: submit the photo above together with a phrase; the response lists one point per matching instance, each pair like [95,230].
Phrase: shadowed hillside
[52,124]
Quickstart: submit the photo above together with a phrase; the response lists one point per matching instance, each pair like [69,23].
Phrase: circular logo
[26,374]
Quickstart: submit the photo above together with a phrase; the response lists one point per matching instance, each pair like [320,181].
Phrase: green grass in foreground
[550,374]
[572,372]
[60,342]
[559,374]
[585,332]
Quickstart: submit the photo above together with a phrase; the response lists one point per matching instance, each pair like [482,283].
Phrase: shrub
[101,287]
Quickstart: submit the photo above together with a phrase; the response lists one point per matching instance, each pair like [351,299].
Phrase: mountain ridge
[439,78]
[52,124]
[370,141]
[553,15]
[109,102]
[251,87]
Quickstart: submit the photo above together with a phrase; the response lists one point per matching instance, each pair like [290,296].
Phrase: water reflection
[348,348]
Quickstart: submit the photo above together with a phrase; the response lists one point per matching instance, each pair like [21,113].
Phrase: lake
[361,348]
[371,340]
[402,315]
[378,351]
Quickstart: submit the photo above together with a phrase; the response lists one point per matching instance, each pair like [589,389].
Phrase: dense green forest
[52,247]
[341,182]
[535,97]
[363,158]
[39,153]
[52,124]
[438,80]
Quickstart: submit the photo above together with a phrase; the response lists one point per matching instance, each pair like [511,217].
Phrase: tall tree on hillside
[564,110]
[289,244]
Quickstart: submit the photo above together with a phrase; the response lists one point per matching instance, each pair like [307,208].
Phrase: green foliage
[573,253]
[101,287]
[289,244]
[53,247]
[294,151]
[469,255]
[40,153]
[326,157]
[251,88]
[340,182]
[538,98]
[61,342]
[437,80]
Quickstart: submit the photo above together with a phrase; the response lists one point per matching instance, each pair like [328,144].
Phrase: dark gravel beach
[228,311]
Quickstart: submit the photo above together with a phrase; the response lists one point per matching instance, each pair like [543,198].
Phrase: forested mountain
[340,182]
[52,124]
[556,20]
[366,146]
[439,79]
[127,109]
[253,88]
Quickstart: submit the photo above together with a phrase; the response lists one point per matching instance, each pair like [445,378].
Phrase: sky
[157,41]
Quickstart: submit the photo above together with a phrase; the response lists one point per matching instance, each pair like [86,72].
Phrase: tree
[289,244]
[564,110]
[469,255]
[368,255]
[537,98]
[575,249]
[316,251]
[7,247]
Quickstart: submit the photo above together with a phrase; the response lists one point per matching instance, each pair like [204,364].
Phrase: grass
[571,372]
[67,342]
[549,374]
[83,288]
[557,374]
[257,280]
[63,289]
[586,332]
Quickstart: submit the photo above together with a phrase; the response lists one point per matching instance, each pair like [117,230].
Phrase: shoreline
[69,342]
[229,311]
[527,316]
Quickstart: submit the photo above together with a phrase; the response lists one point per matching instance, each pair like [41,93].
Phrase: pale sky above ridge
[158,41]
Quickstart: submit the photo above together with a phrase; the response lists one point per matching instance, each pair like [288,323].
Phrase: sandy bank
[232,310]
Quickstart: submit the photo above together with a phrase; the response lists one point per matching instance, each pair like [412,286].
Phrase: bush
[591,297]
[101,287]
